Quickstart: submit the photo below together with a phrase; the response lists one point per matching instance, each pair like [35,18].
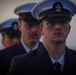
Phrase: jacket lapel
[45,63]
[20,47]
[70,61]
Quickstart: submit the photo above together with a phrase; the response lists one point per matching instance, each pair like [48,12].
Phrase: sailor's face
[55,30]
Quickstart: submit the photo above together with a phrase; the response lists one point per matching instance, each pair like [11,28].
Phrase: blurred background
[6,11]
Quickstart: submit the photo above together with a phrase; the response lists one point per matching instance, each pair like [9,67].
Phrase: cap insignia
[58,7]
[15,26]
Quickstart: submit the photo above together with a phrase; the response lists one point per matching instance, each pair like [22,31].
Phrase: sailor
[30,36]
[53,56]
[10,32]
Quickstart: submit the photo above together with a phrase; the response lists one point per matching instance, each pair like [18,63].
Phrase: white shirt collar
[61,60]
[27,48]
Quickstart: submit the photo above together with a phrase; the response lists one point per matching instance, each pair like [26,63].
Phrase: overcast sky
[6,12]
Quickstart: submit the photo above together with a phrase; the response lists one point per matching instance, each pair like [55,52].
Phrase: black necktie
[57,66]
